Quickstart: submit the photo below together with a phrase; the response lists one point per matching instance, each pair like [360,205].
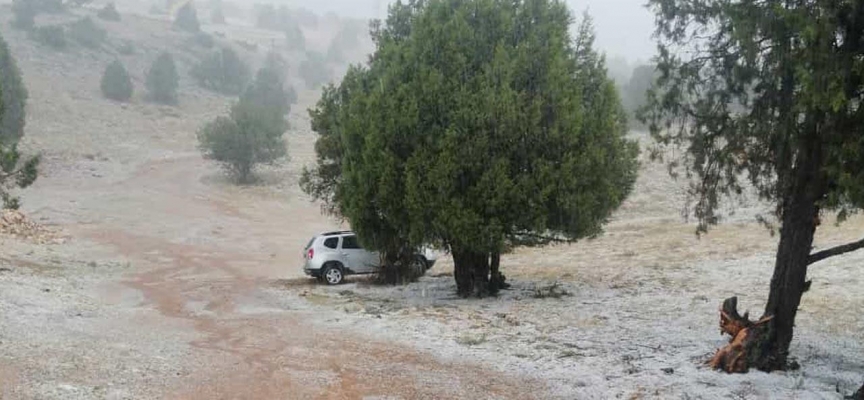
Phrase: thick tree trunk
[768,348]
[790,279]
[859,395]
[471,273]
[497,280]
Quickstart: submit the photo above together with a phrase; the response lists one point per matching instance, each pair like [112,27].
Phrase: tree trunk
[497,280]
[859,395]
[769,349]
[471,270]
[790,279]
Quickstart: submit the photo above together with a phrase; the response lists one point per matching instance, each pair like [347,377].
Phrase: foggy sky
[623,27]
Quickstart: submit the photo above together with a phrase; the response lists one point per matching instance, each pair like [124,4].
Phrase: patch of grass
[469,339]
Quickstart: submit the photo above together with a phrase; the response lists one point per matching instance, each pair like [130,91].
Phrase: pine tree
[253,132]
[223,71]
[162,80]
[16,170]
[116,84]
[769,94]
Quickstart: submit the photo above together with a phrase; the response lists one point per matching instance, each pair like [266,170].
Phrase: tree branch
[835,251]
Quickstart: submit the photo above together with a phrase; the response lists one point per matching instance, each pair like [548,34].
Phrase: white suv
[331,256]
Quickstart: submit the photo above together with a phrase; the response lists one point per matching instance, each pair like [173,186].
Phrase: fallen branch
[835,251]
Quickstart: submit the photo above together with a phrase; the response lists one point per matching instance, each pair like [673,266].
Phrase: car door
[358,259]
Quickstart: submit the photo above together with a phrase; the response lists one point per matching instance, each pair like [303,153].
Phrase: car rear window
[331,243]
[350,242]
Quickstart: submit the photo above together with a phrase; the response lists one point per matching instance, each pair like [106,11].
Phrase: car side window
[331,243]
[350,242]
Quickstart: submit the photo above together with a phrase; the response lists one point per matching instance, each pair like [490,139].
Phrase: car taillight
[310,254]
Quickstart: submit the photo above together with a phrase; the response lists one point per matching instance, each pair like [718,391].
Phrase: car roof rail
[334,233]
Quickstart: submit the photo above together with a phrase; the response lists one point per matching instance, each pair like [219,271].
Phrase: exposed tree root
[748,338]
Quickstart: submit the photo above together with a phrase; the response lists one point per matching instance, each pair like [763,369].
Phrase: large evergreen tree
[476,125]
[14,97]
[768,93]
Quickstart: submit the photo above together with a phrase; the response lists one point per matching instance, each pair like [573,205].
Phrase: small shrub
[116,84]
[109,13]
[222,71]
[24,15]
[87,33]
[240,145]
[162,80]
[187,19]
[53,36]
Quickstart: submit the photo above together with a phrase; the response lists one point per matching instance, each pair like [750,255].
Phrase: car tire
[420,265]
[332,274]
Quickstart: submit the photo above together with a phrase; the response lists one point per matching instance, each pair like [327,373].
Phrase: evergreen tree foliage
[14,98]
[477,125]
[222,71]
[187,19]
[253,132]
[770,95]
[16,170]
[277,64]
[116,84]
[162,79]
[109,13]
[635,92]
[87,33]
[53,36]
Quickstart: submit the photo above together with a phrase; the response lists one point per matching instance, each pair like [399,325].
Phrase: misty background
[624,27]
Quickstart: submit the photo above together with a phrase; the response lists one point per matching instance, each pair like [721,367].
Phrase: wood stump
[748,339]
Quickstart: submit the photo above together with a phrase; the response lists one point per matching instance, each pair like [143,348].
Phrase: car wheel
[333,275]
[419,265]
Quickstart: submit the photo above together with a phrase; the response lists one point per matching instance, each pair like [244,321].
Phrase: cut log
[747,339]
